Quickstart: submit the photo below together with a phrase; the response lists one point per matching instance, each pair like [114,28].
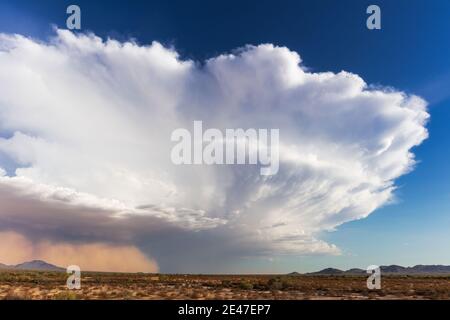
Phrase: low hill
[4,266]
[38,265]
[391,269]
[327,271]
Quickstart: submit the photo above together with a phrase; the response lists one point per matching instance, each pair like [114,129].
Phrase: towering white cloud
[85,130]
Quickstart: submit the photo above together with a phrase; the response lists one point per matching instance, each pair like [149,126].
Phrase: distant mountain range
[392,269]
[37,265]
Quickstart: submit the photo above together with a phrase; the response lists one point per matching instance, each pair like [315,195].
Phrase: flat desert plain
[52,285]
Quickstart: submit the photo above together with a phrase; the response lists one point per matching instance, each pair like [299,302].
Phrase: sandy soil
[52,285]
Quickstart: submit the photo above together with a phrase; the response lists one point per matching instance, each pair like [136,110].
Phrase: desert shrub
[164,278]
[275,284]
[226,283]
[245,285]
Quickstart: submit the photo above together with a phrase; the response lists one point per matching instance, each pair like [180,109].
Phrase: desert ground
[52,285]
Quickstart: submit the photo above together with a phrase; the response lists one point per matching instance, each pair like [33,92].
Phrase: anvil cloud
[85,128]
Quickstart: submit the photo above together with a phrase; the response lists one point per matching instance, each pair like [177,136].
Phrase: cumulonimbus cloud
[85,128]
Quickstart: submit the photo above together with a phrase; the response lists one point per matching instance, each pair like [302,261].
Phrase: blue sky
[410,53]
